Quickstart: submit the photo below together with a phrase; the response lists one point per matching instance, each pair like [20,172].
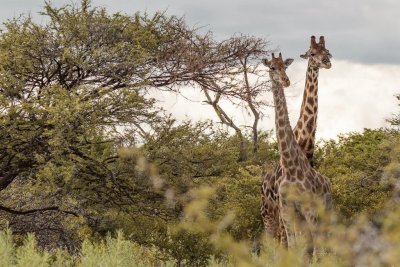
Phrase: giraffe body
[295,171]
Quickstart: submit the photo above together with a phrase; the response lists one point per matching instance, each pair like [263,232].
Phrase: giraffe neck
[307,123]
[284,133]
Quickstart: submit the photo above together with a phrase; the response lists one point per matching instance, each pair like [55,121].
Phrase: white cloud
[351,97]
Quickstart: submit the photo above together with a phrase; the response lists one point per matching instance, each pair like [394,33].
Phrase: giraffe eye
[272,68]
[312,54]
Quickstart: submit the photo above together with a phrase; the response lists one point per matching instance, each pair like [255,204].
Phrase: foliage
[239,196]
[360,243]
[112,251]
[395,120]
[355,164]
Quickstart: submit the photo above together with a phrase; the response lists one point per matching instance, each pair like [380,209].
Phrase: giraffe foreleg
[270,217]
[286,214]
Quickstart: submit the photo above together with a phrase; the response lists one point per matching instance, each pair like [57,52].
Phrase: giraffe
[318,57]
[297,173]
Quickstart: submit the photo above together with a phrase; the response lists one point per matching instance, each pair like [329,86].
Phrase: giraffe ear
[266,62]
[305,56]
[288,61]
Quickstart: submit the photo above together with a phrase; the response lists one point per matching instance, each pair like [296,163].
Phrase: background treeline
[86,151]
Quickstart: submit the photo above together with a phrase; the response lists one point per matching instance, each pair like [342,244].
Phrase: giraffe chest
[310,181]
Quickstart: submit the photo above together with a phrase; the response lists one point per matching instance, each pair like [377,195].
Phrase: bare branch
[26,212]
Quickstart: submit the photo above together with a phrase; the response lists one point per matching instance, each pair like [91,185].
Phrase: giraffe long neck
[284,133]
[307,123]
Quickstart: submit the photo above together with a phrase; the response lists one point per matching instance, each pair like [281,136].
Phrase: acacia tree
[243,81]
[226,70]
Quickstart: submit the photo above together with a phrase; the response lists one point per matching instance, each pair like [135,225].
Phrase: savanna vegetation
[94,173]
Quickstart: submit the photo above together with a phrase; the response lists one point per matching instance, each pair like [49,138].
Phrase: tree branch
[26,212]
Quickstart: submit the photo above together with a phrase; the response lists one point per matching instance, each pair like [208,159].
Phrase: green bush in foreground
[363,243]
[116,251]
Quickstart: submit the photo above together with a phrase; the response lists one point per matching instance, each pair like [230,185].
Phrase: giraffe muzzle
[286,82]
[327,62]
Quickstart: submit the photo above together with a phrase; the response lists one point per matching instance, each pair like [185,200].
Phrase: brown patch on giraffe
[309,126]
[304,145]
[303,165]
[300,124]
[310,100]
[309,111]
[314,189]
[283,145]
[311,87]
[301,176]
[281,134]
[281,121]
[309,78]
[307,184]
[310,146]
[283,162]
[301,141]
[305,117]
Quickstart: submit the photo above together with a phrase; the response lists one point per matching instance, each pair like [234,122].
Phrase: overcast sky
[363,37]
[366,31]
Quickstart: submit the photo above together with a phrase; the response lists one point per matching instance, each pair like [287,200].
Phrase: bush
[355,164]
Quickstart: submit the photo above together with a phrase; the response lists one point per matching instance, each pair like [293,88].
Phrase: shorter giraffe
[298,176]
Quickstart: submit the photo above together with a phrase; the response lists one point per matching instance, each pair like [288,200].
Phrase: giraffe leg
[315,223]
[282,233]
[293,221]
[299,224]
[270,206]
[288,225]
[270,213]
[318,225]
[310,225]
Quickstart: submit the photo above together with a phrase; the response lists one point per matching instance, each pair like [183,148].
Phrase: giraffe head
[277,69]
[318,55]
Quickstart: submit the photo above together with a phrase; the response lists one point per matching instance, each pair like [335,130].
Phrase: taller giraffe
[318,57]
[297,172]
